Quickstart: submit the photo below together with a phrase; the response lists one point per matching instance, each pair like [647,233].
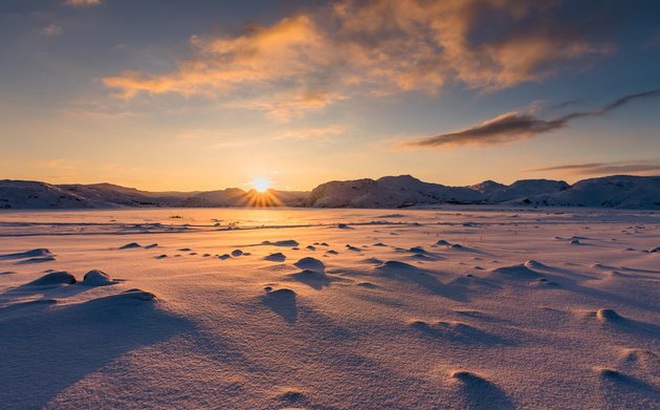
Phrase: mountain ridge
[614,191]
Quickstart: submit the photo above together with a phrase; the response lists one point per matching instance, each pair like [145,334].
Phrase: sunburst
[261,195]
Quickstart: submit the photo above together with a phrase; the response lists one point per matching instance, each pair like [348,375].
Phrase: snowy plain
[448,308]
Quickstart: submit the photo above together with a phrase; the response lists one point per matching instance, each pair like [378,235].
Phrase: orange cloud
[289,50]
[488,44]
[376,47]
[291,104]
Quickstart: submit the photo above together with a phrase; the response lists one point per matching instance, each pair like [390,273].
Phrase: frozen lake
[468,307]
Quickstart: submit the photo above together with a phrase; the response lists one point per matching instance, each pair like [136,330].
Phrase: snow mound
[135,294]
[641,358]
[282,302]
[465,376]
[131,245]
[479,393]
[97,277]
[533,264]
[286,243]
[54,279]
[34,253]
[311,264]
[36,260]
[276,257]
[608,315]
[517,272]
[396,265]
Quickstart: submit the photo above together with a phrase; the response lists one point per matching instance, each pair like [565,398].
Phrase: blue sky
[192,95]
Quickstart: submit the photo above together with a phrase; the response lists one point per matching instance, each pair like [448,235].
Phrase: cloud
[288,50]
[563,104]
[82,3]
[52,30]
[507,127]
[516,126]
[313,133]
[376,48]
[55,163]
[611,106]
[284,106]
[602,168]
[487,44]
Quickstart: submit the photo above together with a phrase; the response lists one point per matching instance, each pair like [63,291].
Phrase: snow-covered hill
[39,195]
[487,187]
[393,192]
[226,197]
[388,192]
[527,188]
[109,195]
[618,191]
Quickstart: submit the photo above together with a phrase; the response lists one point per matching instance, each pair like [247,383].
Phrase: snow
[383,315]
[525,189]
[620,191]
[614,192]
[97,277]
[38,195]
[405,191]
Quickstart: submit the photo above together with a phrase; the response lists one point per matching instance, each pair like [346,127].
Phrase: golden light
[261,195]
[261,184]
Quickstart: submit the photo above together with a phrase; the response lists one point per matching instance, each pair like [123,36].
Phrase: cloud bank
[376,48]
[603,168]
[515,126]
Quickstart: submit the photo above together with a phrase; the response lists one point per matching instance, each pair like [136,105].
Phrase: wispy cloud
[97,108]
[52,30]
[292,104]
[602,168]
[82,3]
[516,125]
[376,47]
[56,163]
[314,133]
[240,143]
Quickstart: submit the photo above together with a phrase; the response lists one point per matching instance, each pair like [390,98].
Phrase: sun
[261,196]
[261,184]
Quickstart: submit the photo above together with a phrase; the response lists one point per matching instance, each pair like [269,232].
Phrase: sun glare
[261,184]
[261,196]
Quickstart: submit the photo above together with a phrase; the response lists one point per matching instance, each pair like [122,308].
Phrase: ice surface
[514,318]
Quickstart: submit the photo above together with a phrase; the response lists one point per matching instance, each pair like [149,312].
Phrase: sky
[200,95]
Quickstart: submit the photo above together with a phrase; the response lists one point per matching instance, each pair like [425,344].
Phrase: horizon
[249,188]
[285,94]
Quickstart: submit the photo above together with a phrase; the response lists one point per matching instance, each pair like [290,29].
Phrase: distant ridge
[617,191]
